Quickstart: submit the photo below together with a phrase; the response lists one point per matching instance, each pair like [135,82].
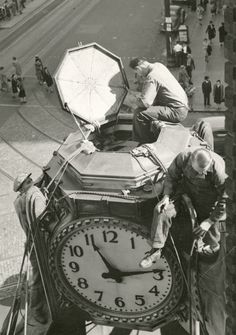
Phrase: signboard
[183,33]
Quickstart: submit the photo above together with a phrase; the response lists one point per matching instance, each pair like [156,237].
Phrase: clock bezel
[156,315]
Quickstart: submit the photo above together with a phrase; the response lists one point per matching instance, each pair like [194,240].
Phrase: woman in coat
[190,66]
[218,93]
[47,79]
[21,89]
[222,33]
[14,85]
[211,31]
[38,69]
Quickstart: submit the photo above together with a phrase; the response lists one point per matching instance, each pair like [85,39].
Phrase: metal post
[168,28]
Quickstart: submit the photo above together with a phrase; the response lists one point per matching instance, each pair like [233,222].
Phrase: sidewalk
[214,68]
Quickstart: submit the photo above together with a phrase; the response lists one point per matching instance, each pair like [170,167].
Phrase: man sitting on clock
[200,174]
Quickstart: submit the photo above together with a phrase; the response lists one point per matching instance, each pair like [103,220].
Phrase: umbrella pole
[77,123]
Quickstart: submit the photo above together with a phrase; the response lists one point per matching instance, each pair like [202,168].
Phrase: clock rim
[164,309]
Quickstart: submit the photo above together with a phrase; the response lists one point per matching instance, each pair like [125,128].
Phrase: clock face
[95,262]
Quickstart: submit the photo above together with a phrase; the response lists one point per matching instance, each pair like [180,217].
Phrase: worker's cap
[20,179]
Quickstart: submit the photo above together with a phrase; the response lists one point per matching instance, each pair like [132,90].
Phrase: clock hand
[110,268]
[120,274]
[134,273]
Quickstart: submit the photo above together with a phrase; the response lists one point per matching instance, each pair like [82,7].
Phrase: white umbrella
[92,81]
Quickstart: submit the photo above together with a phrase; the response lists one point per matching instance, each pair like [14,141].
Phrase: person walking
[190,66]
[207,49]
[206,90]
[184,78]
[38,69]
[3,80]
[186,49]
[218,93]
[162,98]
[21,90]
[178,49]
[47,79]
[222,33]
[29,205]
[211,31]
[213,8]
[200,12]
[17,67]
[14,85]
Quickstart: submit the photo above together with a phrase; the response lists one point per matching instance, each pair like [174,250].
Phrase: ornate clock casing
[95,264]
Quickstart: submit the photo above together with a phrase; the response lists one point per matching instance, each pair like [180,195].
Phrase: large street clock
[95,263]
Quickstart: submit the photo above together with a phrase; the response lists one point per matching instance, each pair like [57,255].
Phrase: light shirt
[178,48]
[161,88]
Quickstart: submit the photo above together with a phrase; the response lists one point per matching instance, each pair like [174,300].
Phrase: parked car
[177,14]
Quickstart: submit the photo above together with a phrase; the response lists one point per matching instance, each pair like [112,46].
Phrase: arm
[149,92]
[219,179]
[174,173]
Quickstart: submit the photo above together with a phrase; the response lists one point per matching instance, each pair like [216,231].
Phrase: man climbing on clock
[29,205]
[200,174]
[162,98]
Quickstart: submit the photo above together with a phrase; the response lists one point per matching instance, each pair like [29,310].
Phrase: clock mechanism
[95,264]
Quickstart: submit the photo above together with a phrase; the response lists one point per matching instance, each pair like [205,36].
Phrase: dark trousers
[37,296]
[142,120]
[206,99]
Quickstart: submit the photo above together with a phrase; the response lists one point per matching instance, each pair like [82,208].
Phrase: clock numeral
[159,275]
[112,239]
[119,302]
[154,290]
[132,243]
[100,295]
[89,239]
[82,283]
[74,266]
[76,250]
[139,300]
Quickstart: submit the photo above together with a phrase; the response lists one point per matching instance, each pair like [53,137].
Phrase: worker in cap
[200,174]
[29,205]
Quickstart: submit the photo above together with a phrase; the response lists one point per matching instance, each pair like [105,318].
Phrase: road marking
[27,106]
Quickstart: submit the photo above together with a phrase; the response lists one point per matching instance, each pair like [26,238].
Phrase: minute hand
[134,273]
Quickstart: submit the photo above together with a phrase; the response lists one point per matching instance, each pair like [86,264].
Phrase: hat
[20,180]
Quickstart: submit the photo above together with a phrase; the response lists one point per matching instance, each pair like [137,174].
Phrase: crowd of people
[185,62]
[15,83]
[11,8]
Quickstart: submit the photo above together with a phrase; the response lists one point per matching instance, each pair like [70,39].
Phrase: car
[177,14]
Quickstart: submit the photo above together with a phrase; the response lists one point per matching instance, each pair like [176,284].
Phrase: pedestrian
[7,9]
[13,7]
[178,49]
[3,80]
[204,3]
[29,205]
[162,98]
[16,4]
[17,67]
[213,8]
[200,174]
[14,85]
[218,93]
[21,90]
[207,49]
[211,31]
[47,79]
[222,33]
[186,49]
[184,78]
[200,12]
[38,69]
[190,66]
[206,90]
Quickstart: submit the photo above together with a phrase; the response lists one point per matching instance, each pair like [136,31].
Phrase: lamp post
[168,29]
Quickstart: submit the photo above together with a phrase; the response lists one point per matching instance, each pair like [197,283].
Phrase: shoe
[148,260]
